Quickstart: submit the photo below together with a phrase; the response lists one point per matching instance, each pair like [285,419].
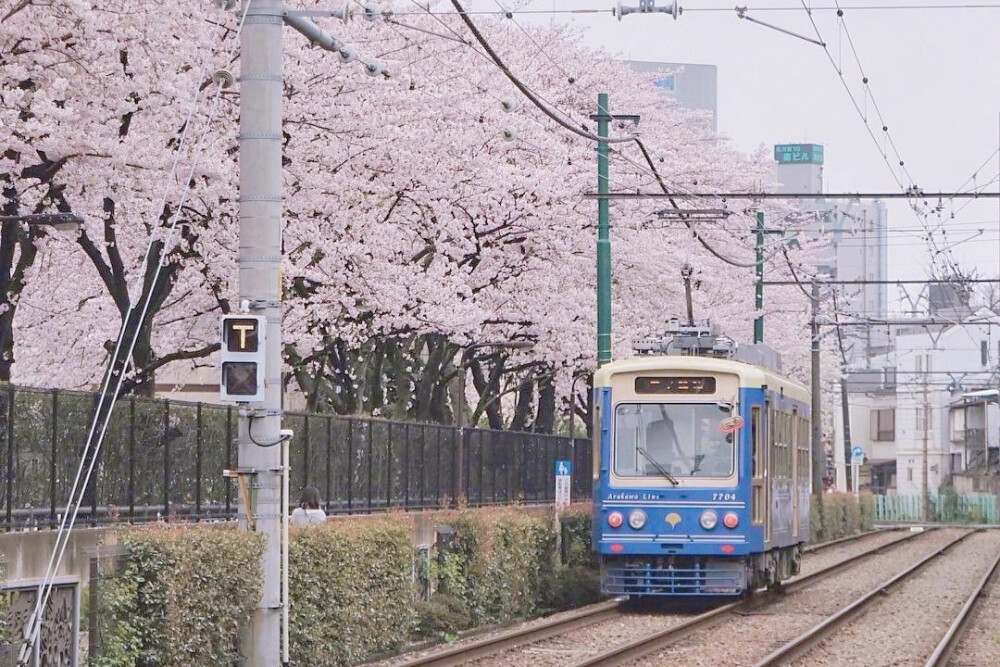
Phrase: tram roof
[749,375]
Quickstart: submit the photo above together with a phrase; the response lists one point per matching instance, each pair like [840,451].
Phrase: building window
[883,425]
[984,353]
[909,474]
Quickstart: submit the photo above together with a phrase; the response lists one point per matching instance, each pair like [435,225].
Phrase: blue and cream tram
[702,476]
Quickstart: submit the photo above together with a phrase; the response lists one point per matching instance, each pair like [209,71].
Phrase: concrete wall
[25,555]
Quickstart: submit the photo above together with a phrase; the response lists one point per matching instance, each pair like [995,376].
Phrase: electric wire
[948,259]
[527,92]
[92,448]
[728,8]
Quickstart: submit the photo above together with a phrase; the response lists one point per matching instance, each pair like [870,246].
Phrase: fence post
[131,459]
[10,456]
[406,465]
[55,452]
[371,459]
[197,469]
[305,451]
[388,467]
[166,460]
[229,458]
[350,464]
[329,460]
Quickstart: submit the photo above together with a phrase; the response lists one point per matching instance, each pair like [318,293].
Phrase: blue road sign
[564,468]
[857,456]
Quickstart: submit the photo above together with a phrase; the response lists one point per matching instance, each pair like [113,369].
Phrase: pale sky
[932,72]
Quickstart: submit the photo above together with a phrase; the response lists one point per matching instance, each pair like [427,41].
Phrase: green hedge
[351,585]
[500,562]
[179,597]
[835,515]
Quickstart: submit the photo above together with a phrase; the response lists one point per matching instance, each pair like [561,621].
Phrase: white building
[933,400]
[946,411]
[857,242]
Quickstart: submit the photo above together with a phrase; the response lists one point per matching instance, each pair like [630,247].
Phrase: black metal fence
[164,459]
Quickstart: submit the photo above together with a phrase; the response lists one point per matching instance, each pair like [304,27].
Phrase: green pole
[758,323]
[603,237]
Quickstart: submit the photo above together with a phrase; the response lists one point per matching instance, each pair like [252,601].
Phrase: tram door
[759,466]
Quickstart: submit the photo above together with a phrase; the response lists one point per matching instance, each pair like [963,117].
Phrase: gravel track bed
[811,562]
[585,642]
[904,627]
[980,647]
[437,648]
[752,634]
[599,637]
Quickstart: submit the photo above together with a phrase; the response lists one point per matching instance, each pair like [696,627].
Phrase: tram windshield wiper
[663,471]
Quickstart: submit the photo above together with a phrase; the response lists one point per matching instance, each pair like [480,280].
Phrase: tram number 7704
[723,496]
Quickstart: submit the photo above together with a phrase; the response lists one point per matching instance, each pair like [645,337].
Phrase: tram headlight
[709,519]
[615,519]
[636,519]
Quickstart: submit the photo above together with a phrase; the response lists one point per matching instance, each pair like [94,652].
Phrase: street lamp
[63,222]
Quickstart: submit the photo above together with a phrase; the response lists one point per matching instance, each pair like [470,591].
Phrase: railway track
[804,642]
[823,546]
[567,623]
[953,637]
[650,644]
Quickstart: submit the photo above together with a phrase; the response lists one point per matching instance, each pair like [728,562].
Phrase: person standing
[308,512]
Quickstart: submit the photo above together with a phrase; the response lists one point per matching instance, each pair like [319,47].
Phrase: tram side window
[758,442]
[758,466]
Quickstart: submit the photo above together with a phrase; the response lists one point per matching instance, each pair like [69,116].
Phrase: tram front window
[679,439]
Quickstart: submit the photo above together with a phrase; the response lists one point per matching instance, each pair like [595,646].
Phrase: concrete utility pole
[758,323]
[260,285]
[604,229]
[818,458]
[925,506]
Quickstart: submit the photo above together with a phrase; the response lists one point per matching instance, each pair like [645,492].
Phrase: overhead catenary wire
[727,8]
[948,258]
[92,447]
[527,92]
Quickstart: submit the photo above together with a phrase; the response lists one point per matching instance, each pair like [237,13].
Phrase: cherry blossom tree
[421,216]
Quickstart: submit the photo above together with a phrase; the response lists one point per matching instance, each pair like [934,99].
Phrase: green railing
[947,507]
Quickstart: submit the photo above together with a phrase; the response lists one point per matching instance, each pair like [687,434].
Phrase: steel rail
[952,638]
[820,546]
[806,641]
[628,652]
[480,648]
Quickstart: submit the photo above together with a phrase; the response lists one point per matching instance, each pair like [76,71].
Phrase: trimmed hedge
[182,594]
[500,562]
[351,586]
[180,597]
[834,515]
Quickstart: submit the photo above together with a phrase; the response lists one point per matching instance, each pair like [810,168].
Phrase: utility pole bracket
[240,475]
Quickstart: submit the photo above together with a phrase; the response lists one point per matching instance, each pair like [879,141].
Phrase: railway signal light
[243,350]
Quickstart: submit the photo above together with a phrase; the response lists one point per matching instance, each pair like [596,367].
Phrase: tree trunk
[545,418]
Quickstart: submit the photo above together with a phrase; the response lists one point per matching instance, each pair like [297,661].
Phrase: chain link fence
[164,459]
